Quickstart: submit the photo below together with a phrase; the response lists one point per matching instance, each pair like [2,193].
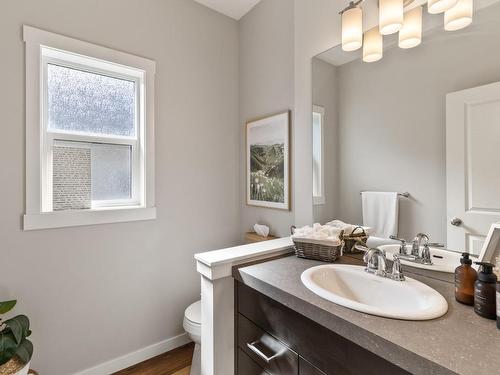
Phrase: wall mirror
[423,120]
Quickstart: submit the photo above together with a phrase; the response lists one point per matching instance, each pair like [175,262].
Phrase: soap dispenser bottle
[465,277]
[485,291]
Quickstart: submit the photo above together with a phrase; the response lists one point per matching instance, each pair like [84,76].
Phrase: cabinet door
[473,188]
[305,368]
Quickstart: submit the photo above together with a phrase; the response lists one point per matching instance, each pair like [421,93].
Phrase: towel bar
[404,195]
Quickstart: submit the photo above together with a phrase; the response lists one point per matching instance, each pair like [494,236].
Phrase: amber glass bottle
[465,277]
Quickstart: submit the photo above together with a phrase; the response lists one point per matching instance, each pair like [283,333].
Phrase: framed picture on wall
[268,161]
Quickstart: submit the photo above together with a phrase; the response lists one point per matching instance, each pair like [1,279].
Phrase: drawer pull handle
[254,349]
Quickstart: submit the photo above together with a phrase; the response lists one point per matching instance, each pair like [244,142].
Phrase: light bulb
[390,16]
[440,6]
[373,46]
[352,29]
[459,16]
[410,34]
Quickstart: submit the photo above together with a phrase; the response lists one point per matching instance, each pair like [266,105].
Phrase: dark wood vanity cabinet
[273,339]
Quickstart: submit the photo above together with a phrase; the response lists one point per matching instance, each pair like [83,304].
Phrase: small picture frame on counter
[491,247]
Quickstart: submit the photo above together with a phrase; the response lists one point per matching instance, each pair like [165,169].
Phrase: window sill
[61,219]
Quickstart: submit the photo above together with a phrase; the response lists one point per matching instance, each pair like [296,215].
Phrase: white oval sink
[352,287]
[443,260]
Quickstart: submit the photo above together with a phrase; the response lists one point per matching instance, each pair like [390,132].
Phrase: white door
[472,165]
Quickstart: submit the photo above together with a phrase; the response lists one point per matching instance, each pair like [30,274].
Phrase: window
[89,133]
[318,155]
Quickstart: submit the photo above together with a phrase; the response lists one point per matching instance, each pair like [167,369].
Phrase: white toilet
[192,325]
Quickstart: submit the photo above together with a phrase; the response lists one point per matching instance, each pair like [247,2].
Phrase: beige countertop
[459,342]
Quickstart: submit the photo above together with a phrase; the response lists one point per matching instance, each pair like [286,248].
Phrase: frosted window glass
[89,102]
[111,172]
[109,166]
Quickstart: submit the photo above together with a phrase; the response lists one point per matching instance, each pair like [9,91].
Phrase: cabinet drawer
[246,366]
[305,368]
[269,353]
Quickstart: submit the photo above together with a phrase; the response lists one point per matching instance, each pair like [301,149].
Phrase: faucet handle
[402,247]
[393,237]
[397,269]
[426,255]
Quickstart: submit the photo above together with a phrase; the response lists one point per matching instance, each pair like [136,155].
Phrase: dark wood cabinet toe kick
[273,339]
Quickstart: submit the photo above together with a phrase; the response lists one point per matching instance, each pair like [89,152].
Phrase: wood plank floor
[175,362]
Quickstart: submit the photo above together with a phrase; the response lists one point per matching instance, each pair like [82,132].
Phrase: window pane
[111,172]
[89,102]
[89,172]
[317,137]
[71,184]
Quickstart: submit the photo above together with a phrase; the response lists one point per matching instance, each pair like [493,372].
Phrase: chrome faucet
[376,263]
[424,257]
[402,247]
[417,242]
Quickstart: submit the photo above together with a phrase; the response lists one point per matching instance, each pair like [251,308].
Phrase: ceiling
[232,8]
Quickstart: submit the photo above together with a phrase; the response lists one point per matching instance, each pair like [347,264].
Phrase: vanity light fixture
[373,45]
[352,26]
[459,16]
[440,6]
[390,16]
[410,34]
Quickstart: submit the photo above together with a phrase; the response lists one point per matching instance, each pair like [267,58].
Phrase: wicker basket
[350,240]
[311,249]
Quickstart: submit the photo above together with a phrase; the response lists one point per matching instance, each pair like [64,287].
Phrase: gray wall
[324,94]
[266,87]
[392,122]
[98,292]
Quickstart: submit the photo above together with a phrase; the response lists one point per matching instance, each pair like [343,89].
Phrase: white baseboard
[138,356]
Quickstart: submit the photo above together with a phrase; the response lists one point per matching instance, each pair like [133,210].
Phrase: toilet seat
[192,320]
[193,312]
[193,329]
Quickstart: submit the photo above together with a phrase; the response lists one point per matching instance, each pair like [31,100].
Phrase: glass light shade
[410,34]
[352,29]
[373,46]
[390,16]
[459,16]
[440,6]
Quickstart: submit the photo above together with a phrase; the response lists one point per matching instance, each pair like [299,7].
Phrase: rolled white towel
[322,234]
[347,228]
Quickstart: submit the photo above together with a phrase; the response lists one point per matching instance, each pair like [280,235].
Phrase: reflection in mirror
[317,149]
[422,120]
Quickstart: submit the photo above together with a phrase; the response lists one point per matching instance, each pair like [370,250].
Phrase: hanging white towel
[381,212]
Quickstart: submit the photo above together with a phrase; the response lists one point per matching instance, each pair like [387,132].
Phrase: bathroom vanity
[283,328]
[276,339]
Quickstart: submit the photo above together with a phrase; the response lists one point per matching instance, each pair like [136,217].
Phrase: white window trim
[36,217]
[321,199]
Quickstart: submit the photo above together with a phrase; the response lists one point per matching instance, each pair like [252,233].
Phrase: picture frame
[491,247]
[267,145]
